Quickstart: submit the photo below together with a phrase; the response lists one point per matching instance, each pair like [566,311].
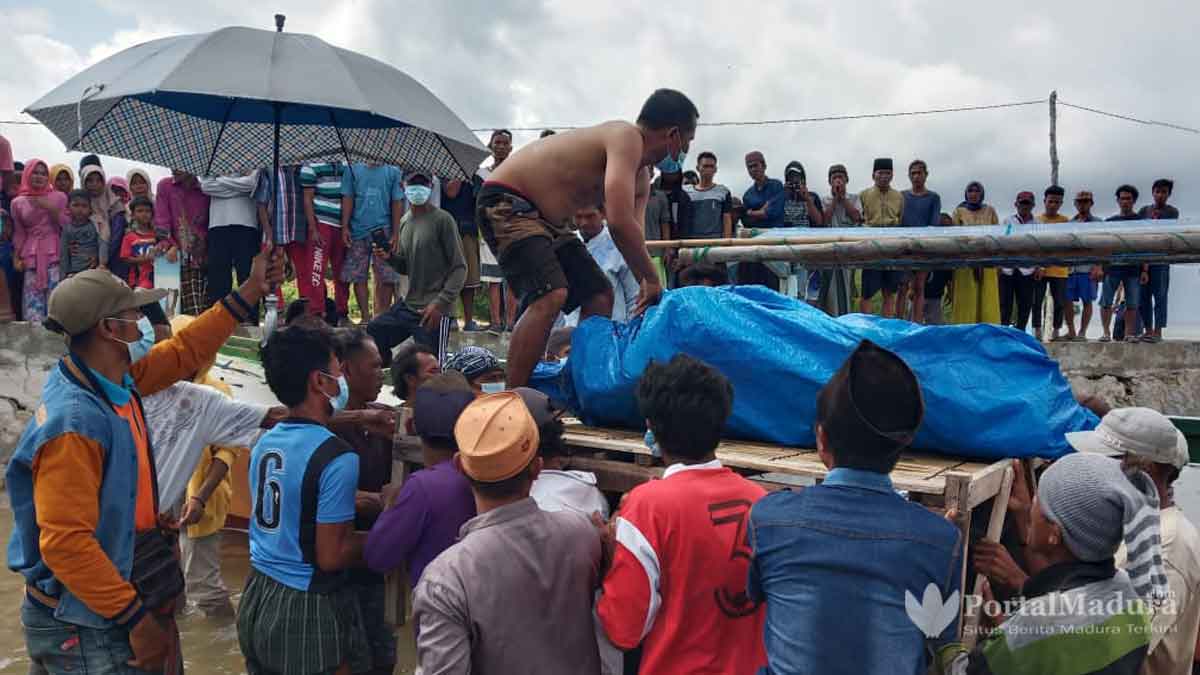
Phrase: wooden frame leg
[970,622]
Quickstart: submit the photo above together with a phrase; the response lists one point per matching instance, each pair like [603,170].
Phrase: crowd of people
[517,562]
[520,564]
[331,217]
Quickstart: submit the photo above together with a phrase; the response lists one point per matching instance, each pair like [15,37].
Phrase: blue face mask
[648,439]
[492,387]
[672,163]
[338,403]
[417,195]
[141,346]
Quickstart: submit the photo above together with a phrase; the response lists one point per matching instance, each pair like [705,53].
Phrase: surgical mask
[338,403]
[648,439]
[492,387]
[672,164]
[141,346]
[418,195]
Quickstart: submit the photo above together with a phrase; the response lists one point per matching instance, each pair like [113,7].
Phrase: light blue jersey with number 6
[300,475]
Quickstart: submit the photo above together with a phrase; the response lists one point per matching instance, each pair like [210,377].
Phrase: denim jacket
[71,406]
[834,563]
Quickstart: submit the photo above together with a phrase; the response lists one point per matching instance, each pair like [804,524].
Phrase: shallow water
[209,645]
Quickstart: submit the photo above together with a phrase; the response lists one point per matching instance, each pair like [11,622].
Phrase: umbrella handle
[91,92]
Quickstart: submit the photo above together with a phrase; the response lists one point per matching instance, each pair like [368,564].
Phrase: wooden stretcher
[621,462]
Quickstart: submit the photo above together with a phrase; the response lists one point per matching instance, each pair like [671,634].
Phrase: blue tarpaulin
[990,392]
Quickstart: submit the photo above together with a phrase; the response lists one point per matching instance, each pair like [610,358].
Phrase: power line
[1153,123]
[806,120]
[838,118]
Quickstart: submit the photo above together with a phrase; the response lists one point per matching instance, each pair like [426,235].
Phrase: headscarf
[969,206]
[145,176]
[59,168]
[118,182]
[105,206]
[27,189]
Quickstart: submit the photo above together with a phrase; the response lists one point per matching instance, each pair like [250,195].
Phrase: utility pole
[1054,138]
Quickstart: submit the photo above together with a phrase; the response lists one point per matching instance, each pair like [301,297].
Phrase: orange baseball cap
[497,437]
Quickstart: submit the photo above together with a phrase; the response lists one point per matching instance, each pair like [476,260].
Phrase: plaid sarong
[290,632]
[193,290]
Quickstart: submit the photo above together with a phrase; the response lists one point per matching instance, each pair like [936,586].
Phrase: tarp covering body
[990,392]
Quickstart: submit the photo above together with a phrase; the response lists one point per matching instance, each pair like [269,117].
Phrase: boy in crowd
[922,208]
[833,559]
[139,247]
[372,201]
[1081,284]
[434,502]
[79,246]
[1017,284]
[1127,276]
[297,613]
[683,533]
[428,251]
[1054,277]
[1156,279]
[476,610]
[481,368]
[881,207]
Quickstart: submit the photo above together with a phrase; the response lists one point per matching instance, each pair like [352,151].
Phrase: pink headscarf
[27,189]
[118,182]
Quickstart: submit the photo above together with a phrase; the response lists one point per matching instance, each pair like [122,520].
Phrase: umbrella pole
[271,319]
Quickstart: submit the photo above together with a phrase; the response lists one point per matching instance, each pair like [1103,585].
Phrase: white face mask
[492,387]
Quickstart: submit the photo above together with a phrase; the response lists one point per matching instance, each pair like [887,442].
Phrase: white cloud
[534,63]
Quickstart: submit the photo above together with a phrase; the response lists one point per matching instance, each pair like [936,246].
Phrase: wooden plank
[988,481]
[958,487]
[970,630]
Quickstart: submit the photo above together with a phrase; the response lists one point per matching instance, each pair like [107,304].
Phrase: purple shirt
[424,521]
[174,204]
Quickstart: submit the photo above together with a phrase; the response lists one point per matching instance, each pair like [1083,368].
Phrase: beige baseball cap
[1144,432]
[82,300]
[497,437]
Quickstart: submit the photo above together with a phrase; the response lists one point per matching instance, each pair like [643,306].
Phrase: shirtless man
[526,206]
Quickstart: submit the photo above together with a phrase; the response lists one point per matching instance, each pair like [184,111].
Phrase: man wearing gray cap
[101,576]
[1147,441]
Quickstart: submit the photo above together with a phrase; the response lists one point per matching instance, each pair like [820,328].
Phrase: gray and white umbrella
[238,99]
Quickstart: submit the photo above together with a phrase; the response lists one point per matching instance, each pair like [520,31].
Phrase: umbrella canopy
[229,101]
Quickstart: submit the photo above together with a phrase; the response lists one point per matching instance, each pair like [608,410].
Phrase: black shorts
[535,266]
[874,281]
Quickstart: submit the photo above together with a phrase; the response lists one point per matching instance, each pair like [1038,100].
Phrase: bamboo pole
[968,251]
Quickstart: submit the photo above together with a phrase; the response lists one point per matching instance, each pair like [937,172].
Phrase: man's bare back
[567,171]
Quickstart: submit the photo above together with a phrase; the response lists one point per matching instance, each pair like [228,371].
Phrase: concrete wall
[1164,376]
[27,353]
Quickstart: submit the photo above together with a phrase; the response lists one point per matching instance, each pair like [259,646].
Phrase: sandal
[1105,338]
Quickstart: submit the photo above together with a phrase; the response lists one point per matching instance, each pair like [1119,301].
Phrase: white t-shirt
[185,418]
[485,252]
[569,491]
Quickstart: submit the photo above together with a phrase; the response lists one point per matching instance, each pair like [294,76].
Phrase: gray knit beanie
[1097,506]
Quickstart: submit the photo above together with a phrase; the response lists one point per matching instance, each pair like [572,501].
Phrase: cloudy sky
[521,63]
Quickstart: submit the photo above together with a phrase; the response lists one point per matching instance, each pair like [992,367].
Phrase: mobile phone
[380,239]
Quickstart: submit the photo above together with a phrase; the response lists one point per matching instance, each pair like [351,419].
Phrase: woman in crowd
[139,184]
[975,291]
[108,212]
[62,177]
[120,187]
[38,213]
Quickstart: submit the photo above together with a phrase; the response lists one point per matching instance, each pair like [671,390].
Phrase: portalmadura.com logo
[933,615]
